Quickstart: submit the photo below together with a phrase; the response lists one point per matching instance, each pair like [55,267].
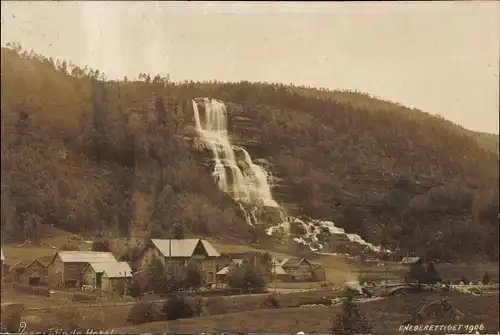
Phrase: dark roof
[317,266]
[20,264]
[45,260]
[294,262]
[410,260]
[239,255]
[24,264]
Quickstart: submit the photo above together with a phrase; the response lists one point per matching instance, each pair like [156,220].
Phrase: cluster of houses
[289,269]
[95,270]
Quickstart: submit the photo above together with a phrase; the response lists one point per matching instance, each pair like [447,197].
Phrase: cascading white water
[247,182]
[313,229]
[234,170]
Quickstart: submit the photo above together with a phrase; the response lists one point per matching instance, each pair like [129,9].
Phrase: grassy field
[384,315]
[115,315]
[59,299]
[31,301]
[79,316]
[52,240]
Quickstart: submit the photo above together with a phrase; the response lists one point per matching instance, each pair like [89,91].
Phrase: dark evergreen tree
[193,277]
[246,277]
[157,278]
[100,145]
[101,243]
[416,273]
[178,231]
[431,275]
[486,278]
[134,289]
[351,320]
[177,307]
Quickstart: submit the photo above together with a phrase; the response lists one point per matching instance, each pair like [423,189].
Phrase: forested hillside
[86,154]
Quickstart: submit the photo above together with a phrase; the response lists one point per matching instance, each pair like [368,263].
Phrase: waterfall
[248,183]
[234,170]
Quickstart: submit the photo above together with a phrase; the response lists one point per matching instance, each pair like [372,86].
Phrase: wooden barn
[108,276]
[66,268]
[29,272]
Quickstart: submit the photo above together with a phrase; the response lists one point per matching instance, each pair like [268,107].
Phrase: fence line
[68,303]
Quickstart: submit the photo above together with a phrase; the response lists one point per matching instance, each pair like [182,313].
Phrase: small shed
[29,273]
[116,277]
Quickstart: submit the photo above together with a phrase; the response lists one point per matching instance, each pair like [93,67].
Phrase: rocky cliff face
[244,133]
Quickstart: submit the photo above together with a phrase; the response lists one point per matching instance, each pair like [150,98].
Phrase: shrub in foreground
[11,318]
[177,307]
[350,321]
[143,312]
[271,301]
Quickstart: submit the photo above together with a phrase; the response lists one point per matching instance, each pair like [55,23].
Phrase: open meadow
[385,316]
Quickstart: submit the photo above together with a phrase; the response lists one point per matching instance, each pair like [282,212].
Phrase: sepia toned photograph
[218,167]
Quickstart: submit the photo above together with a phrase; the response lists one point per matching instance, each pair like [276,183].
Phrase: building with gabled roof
[293,262]
[178,253]
[28,272]
[108,276]
[84,256]
[66,267]
[184,248]
[297,268]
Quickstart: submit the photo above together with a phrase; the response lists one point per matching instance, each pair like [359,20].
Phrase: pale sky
[440,57]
